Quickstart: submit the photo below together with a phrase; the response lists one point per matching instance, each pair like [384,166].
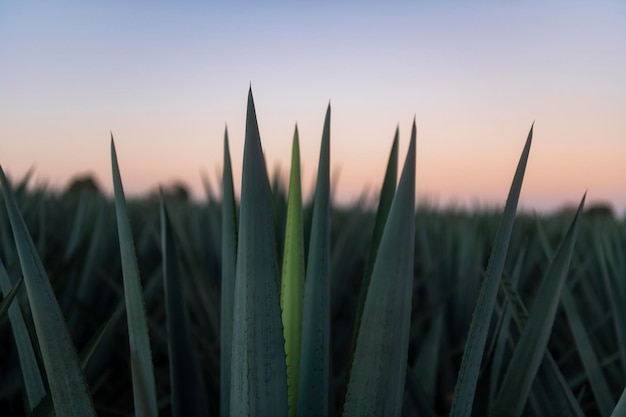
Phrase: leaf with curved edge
[292,282]
[315,353]
[465,388]
[378,374]
[65,377]
[188,398]
[144,388]
[384,204]
[229,261]
[259,373]
[532,345]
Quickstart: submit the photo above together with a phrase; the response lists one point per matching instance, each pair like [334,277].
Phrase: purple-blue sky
[167,77]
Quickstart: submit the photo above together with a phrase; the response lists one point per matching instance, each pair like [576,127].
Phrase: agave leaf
[384,204]
[292,282]
[465,388]
[65,377]
[185,380]
[144,388]
[378,374]
[33,383]
[614,293]
[315,353]
[259,375]
[45,408]
[599,384]
[533,342]
[620,407]
[10,293]
[426,364]
[504,334]
[557,397]
[229,261]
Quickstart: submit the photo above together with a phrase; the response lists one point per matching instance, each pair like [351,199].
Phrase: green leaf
[33,382]
[532,345]
[315,353]
[10,294]
[384,204]
[465,388]
[426,364]
[259,374]
[599,384]
[144,389]
[292,282]
[185,379]
[65,377]
[229,262]
[378,374]
[550,385]
[620,408]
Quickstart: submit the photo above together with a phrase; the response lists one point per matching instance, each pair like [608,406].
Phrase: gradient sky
[166,78]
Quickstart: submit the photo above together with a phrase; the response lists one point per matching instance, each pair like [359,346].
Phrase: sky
[167,78]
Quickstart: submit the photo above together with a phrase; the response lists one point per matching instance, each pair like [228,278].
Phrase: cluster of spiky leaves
[275,307]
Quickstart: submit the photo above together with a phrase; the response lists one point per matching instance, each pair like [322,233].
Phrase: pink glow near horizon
[474,80]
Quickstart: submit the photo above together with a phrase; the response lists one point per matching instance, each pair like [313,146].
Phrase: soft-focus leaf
[188,398]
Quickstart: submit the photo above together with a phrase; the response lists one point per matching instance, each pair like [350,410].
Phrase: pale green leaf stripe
[66,380]
[229,261]
[620,408]
[315,353]
[292,282]
[378,374]
[144,388]
[384,204]
[33,383]
[531,347]
[259,373]
[465,388]
[188,398]
[551,382]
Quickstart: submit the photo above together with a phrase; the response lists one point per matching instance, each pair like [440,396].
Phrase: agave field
[268,306]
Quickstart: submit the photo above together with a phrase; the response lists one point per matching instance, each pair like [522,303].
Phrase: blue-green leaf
[314,376]
[69,390]
[465,388]
[144,388]
[378,374]
[258,371]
